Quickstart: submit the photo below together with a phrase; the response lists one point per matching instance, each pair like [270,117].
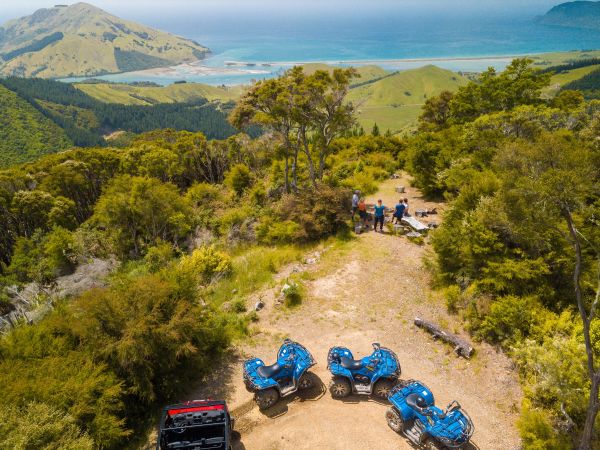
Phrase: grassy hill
[547,60]
[367,73]
[563,79]
[128,94]
[394,102]
[25,133]
[84,40]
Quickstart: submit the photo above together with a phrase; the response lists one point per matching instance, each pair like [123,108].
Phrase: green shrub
[509,319]
[293,294]
[39,426]
[453,297]
[239,178]
[203,194]
[319,212]
[239,305]
[43,258]
[139,212]
[258,196]
[159,256]
[204,264]
[272,231]
[537,431]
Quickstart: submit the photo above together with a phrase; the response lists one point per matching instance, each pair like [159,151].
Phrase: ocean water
[393,41]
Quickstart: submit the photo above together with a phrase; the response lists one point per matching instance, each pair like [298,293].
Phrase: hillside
[84,40]
[579,14]
[24,132]
[46,116]
[128,94]
[366,73]
[394,102]
[588,84]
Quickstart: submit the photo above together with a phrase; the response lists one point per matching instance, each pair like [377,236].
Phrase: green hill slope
[84,40]
[395,102]
[25,134]
[366,73]
[147,95]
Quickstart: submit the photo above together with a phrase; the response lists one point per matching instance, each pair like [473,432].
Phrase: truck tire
[266,398]
[394,420]
[307,380]
[383,387]
[340,387]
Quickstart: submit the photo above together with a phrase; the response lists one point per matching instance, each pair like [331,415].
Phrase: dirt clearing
[368,290]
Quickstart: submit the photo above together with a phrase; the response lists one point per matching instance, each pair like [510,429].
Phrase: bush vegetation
[198,226]
[518,250]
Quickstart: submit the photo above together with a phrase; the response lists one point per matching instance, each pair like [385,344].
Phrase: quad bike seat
[415,401]
[351,364]
[269,371]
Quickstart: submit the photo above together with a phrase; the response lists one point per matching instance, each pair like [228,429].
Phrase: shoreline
[241,68]
[233,72]
[382,61]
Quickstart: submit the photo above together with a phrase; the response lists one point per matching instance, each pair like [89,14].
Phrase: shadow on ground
[218,384]
[312,394]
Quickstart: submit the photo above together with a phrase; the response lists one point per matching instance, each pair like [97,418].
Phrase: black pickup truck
[196,425]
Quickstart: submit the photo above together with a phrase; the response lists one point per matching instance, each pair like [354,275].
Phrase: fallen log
[461,346]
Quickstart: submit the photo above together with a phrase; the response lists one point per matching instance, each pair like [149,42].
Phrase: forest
[517,257]
[86,120]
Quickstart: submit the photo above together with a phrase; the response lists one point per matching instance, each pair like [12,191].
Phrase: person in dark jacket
[399,211]
[379,215]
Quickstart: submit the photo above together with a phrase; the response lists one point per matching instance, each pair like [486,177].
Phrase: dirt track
[368,292]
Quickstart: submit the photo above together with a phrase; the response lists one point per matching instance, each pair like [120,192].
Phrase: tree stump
[461,346]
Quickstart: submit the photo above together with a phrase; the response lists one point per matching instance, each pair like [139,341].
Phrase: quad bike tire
[394,420]
[432,444]
[340,387]
[266,398]
[307,381]
[383,388]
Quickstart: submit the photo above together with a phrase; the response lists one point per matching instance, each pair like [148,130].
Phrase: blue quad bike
[414,414]
[288,375]
[375,374]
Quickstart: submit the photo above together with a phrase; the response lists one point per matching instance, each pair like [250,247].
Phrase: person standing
[379,215]
[362,212]
[399,211]
[406,207]
[355,200]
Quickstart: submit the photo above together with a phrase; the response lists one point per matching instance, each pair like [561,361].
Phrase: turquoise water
[384,39]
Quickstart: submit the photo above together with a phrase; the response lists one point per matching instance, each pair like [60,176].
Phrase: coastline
[215,71]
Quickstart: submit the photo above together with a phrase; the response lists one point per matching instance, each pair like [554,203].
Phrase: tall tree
[306,112]
[559,175]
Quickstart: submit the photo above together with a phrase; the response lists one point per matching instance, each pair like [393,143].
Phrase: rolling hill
[82,40]
[394,102]
[25,133]
[46,116]
[128,94]
[579,14]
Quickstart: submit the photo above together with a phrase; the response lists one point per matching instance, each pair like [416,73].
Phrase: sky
[140,9]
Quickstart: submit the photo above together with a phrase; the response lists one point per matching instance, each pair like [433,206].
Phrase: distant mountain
[580,14]
[84,40]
